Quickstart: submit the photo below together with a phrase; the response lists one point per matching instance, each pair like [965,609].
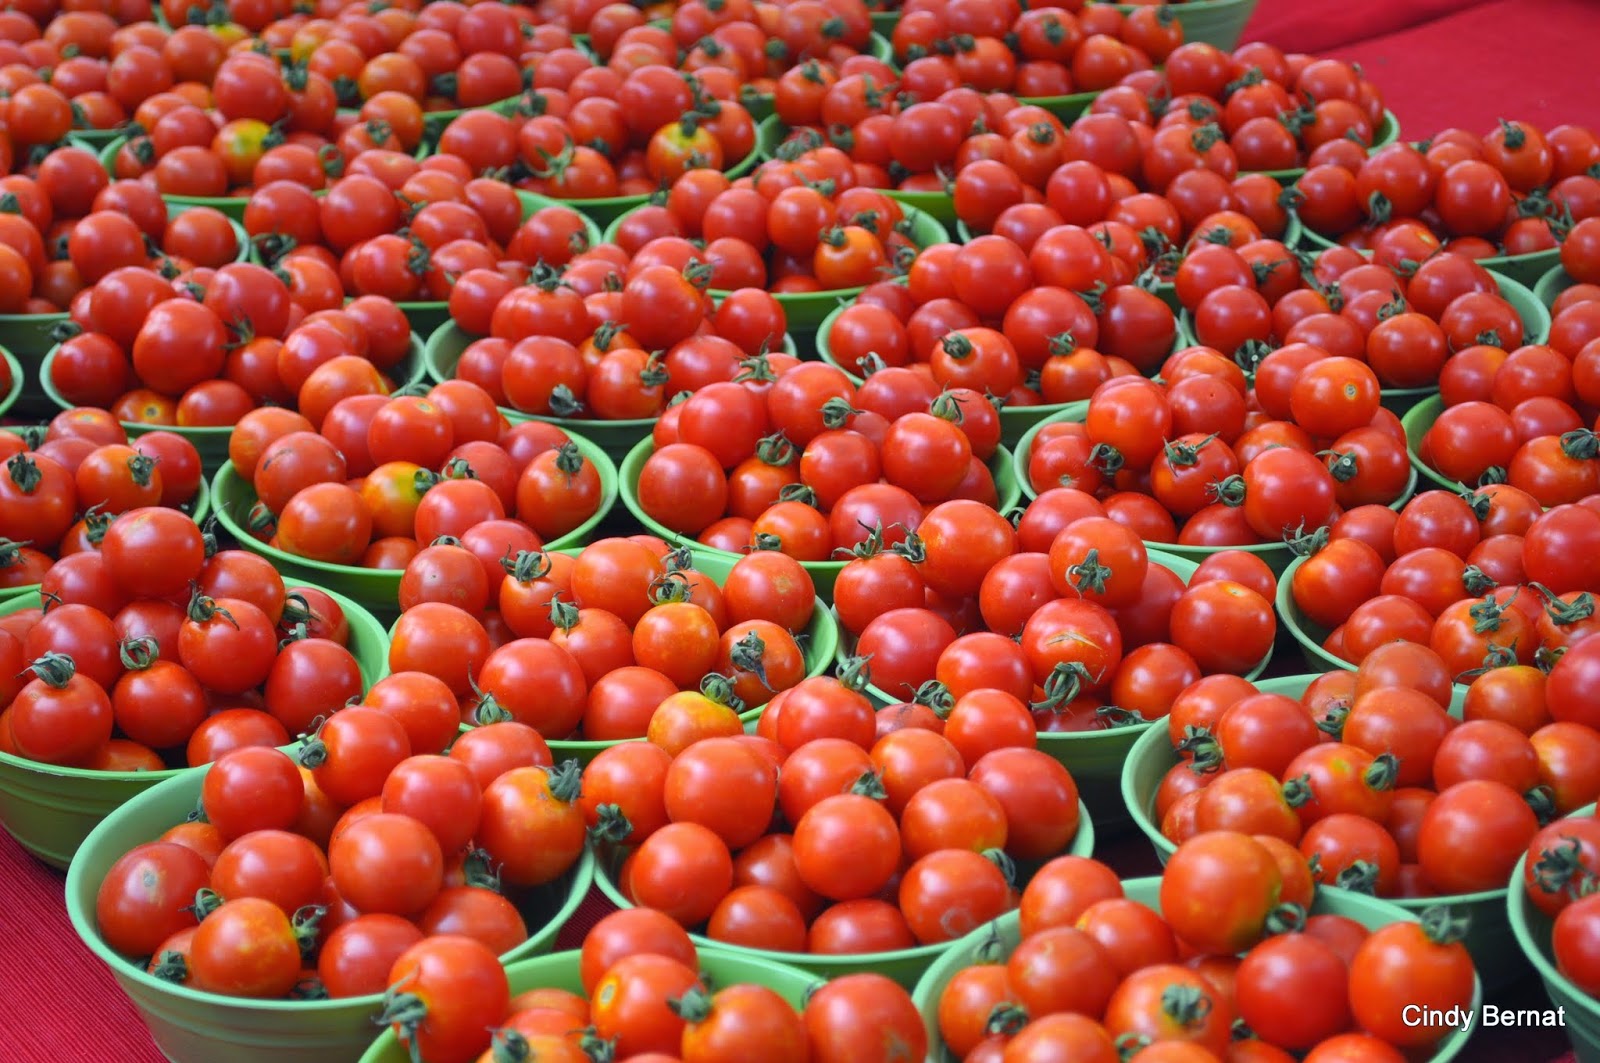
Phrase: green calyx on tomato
[1064,683]
[1560,871]
[856,673]
[170,966]
[719,688]
[801,493]
[563,403]
[527,566]
[206,901]
[54,669]
[1360,877]
[611,824]
[138,654]
[24,473]
[1443,925]
[936,696]
[1286,918]
[669,587]
[566,781]
[1205,752]
[776,450]
[869,784]
[749,655]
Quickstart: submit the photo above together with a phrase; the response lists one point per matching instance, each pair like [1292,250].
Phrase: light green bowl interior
[442,354]
[27,338]
[1489,938]
[18,376]
[719,967]
[212,442]
[1546,289]
[1416,423]
[50,810]
[819,641]
[190,1026]
[377,589]
[905,966]
[996,941]
[1532,930]
[823,573]
[1306,633]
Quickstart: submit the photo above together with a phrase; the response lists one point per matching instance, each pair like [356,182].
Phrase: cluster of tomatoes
[620,640]
[1559,878]
[312,873]
[1368,773]
[176,652]
[1097,972]
[1520,415]
[69,225]
[1515,191]
[361,477]
[548,351]
[836,829]
[62,487]
[209,353]
[795,464]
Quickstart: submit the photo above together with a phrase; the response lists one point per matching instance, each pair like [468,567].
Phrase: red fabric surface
[1439,62]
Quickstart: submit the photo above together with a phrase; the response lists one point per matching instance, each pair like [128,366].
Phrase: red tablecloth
[1439,62]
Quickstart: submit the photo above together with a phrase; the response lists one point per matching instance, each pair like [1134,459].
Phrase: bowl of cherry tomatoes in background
[210,997]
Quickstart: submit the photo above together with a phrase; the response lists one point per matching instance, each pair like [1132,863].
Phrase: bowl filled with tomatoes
[632,642]
[838,261]
[330,532]
[550,994]
[1383,822]
[94,722]
[1549,287]
[298,958]
[814,537]
[615,435]
[1014,964]
[810,869]
[1549,914]
[1082,680]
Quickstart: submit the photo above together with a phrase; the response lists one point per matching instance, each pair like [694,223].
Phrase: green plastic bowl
[429,314]
[1489,939]
[820,642]
[190,1026]
[1308,634]
[823,573]
[996,941]
[1067,108]
[1532,930]
[1551,284]
[1095,758]
[1416,423]
[18,376]
[51,810]
[376,589]
[906,966]
[28,338]
[1218,22]
[1387,133]
[443,351]
[232,206]
[606,209]
[212,443]
[1016,422]
[1534,312]
[718,966]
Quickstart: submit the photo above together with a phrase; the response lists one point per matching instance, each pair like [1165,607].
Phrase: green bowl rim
[1551,283]
[1082,844]
[633,463]
[591,451]
[84,923]
[1276,685]
[1521,914]
[219,431]
[18,379]
[355,613]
